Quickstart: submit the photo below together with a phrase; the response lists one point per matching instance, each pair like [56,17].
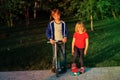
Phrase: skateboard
[74,70]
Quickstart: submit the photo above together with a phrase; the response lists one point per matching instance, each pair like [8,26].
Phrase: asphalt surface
[101,73]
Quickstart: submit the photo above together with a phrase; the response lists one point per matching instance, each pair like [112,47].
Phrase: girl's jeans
[60,53]
[79,52]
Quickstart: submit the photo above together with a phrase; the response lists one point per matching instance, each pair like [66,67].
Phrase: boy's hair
[53,12]
[80,24]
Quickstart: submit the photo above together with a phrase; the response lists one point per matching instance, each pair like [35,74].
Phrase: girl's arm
[86,46]
[73,42]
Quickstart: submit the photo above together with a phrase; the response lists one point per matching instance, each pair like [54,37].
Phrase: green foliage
[83,9]
[80,9]
[9,7]
[103,7]
[65,6]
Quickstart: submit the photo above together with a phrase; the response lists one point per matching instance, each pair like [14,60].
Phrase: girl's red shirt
[80,39]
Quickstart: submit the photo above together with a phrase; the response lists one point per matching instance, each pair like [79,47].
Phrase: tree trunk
[114,15]
[11,20]
[27,16]
[35,5]
[91,19]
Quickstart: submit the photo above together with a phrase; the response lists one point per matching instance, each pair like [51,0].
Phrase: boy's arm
[64,40]
[66,32]
[48,32]
[64,29]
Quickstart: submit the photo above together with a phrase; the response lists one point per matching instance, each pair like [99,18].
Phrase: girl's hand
[52,41]
[73,52]
[85,52]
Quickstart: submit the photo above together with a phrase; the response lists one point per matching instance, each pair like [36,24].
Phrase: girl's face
[80,28]
[56,16]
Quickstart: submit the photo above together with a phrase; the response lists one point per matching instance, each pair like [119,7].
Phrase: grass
[26,48]
[104,45]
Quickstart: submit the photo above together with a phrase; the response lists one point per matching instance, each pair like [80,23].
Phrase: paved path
[102,73]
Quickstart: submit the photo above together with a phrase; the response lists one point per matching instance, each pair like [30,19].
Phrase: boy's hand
[52,41]
[64,40]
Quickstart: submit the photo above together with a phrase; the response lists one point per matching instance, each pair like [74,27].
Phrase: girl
[80,44]
[57,31]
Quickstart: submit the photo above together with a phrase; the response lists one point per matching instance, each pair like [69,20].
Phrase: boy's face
[56,16]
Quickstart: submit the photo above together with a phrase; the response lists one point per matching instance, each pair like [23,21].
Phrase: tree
[115,8]
[66,7]
[37,4]
[90,10]
[82,9]
[91,13]
[103,6]
[8,9]
[25,8]
[85,10]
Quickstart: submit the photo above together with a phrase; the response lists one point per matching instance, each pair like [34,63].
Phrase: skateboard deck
[74,70]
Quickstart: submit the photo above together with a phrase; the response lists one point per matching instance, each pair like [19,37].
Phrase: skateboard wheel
[75,74]
[78,73]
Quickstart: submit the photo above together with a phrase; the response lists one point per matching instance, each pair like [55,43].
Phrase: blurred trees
[85,10]
[82,9]
[12,10]
[8,10]
[90,10]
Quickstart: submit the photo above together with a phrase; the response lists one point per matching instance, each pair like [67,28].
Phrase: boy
[57,31]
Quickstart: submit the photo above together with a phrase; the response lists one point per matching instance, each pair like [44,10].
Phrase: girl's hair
[80,24]
[54,11]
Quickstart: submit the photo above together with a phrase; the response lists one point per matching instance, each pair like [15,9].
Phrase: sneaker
[82,70]
[63,70]
[59,70]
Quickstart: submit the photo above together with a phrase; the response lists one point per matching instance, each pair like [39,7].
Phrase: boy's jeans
[60,54]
